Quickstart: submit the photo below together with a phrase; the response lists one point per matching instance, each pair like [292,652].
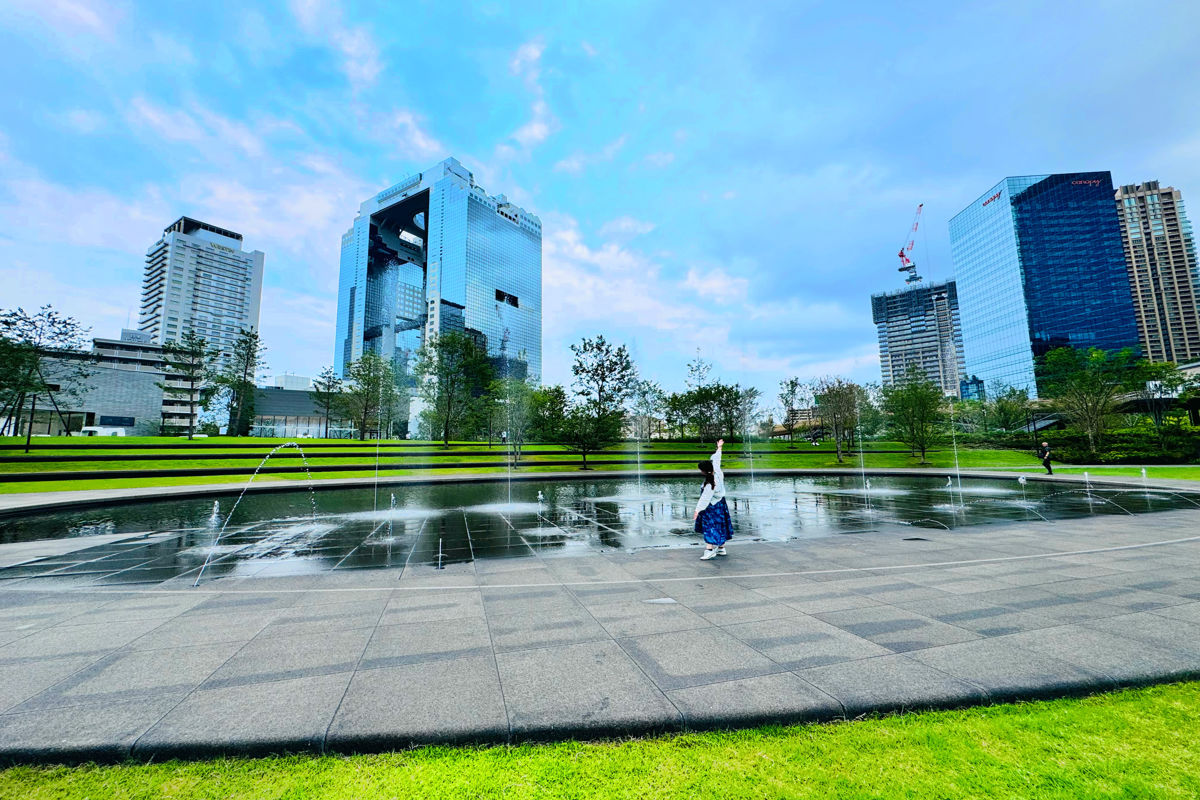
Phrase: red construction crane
[906,263]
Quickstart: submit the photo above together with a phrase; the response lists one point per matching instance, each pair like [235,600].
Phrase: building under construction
[919,325]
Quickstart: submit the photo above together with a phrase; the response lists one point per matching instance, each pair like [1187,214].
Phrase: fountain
[311,493]
[215,518]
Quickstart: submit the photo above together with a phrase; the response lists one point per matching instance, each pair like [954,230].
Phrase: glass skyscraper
[1039,264]
[434,253]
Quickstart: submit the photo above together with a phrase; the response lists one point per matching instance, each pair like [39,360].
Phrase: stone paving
[608,645]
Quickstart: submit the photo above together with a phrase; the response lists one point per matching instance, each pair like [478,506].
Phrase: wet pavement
[615,641]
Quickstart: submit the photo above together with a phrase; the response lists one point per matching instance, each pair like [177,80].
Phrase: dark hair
[707,469]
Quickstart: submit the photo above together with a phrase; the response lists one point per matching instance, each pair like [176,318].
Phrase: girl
[712,513]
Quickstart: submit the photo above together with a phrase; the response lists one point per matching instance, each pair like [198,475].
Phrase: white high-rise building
[198,278]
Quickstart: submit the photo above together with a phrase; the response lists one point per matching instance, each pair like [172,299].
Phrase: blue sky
[714,176]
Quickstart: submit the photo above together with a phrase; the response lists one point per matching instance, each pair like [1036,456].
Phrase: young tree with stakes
[236,380]
[453,373]
[604,380]
[326,390]
[189,361]
[42,357]
[837,400]
[789,398]
[370,395]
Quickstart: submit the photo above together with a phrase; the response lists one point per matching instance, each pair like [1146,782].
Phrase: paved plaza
[542,648]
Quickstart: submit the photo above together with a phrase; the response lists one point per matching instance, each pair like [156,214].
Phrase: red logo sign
[990,199]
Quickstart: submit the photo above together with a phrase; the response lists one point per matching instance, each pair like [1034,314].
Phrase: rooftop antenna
[906,263]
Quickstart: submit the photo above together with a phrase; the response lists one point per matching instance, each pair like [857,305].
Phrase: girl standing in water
[712,513]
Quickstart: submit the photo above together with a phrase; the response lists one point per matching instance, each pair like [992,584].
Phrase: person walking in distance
[1043,453]
[711,516]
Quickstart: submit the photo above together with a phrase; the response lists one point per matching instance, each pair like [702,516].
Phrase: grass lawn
[772,457]
[1131,744]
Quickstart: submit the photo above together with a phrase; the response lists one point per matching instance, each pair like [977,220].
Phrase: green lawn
[1131,744]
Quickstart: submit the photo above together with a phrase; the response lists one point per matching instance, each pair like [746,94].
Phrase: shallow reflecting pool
[299,532]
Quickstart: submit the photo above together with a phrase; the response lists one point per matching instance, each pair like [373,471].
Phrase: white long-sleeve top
[713,494]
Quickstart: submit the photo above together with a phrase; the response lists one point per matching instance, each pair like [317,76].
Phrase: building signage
[221,247]
[996,196]
[1094,182]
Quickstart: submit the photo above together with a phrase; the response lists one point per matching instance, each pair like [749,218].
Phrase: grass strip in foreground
[1131,744]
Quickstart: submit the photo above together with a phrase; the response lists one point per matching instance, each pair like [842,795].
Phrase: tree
[1009,407]
[370,394]
[42,357]
[604,382]
[188,366]
[1158,385]
[648,400]
[915,406]
[453,373]
[727,399]
[1085,385]
[235,380]
[837,400]
[677,411]
[517,408]
[327,389]
[548,411]
[789,398]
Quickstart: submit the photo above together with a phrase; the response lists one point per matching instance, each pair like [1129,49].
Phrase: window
[505,297]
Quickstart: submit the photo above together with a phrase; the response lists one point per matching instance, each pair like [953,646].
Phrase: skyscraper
[919,325]
[1160,256]
[198,278]
[435,252]
[1039,265]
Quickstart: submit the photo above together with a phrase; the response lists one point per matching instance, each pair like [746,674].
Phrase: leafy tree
[1086,385]
[548,410]
[604,382]
[837,400]
[370,394]
[727,399]
[188,364]
[789,397]
[648,400]
[677,412]
[235,380]
[1009,407]
[453,374]
[516,404]
[327,389]
[698,371]
[40,356]
[915,406]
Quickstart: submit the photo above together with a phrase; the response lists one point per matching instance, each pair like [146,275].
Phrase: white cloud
[410,138]
[625,228]
[576,162]
[717,285]
[660,159]
[172,125]
[71,16]
[526,64]
[323,20]
[588,48]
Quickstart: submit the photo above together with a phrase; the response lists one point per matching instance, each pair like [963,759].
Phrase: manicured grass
[1132,744]
[1183,472]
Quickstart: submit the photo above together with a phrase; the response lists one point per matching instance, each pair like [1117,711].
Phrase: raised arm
[716,457]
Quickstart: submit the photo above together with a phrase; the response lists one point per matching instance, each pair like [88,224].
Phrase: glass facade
[1039,264]
[433,253]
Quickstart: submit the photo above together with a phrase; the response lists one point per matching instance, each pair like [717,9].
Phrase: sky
[716,178]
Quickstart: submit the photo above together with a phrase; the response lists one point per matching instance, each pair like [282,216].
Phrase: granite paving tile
[691,658]
[1007,671]
[782,698]
[896,628]
[424,642]
[890,683]
[802,641]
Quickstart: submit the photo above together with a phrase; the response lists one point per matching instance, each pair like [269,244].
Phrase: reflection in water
[448,524]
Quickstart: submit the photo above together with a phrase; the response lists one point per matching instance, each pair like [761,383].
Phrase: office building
[1160,256]
[198,278]
[437,253]
[920,326]
[1039,265]
[122,389]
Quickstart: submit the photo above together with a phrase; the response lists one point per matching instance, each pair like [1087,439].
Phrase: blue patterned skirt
[715,524]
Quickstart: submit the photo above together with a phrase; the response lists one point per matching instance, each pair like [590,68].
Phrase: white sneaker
[708,554]
[721,551]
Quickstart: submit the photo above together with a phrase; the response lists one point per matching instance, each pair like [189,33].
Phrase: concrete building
[1160,256]
[1038,264]
[436,253]
[292,414]
[198,278]
[293,382]
[920,326]
[122,390]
